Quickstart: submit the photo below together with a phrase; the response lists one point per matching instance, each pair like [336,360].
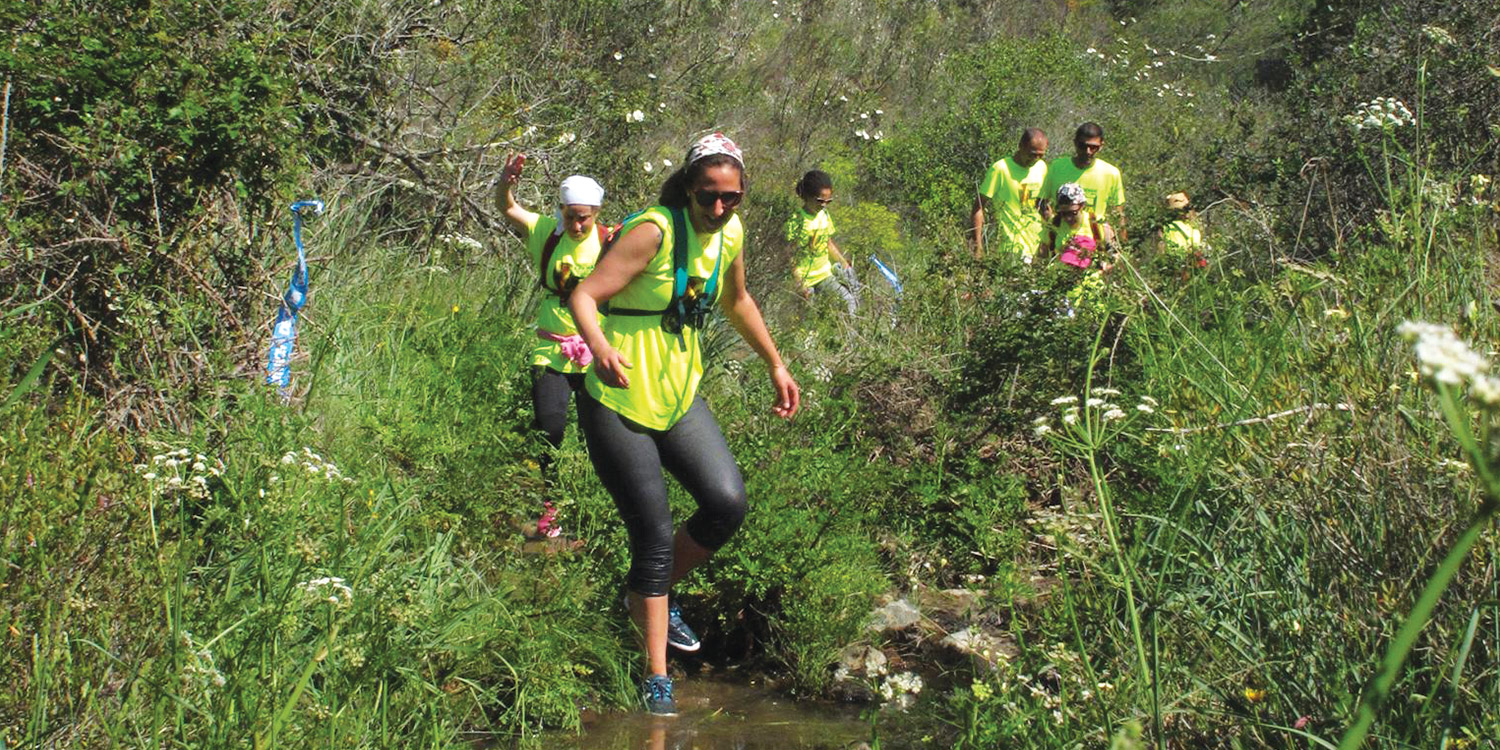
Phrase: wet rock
[862,661]
[898,615]
[984,648]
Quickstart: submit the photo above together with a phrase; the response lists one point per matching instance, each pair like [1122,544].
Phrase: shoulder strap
[679,255]
[548,248]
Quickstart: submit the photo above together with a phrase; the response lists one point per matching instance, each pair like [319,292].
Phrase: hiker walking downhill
[1179,244]
[1011,190]
[811,230]
[640,410]
[1099,179]
[563,248]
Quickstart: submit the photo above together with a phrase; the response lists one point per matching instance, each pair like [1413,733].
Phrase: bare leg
[649,613]
[686,555]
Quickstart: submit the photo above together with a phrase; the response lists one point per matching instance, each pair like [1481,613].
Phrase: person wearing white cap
[640,411]
[563,249]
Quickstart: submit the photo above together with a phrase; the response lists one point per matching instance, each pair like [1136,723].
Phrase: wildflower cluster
[198,669]
[314,465]
[1096,409]
[461,240]
[332,590]
[181,470]
[1380,113]
[1059,690]
[900,690]
[1439,36]
[1448,360]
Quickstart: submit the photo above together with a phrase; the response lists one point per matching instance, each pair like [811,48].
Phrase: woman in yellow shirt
[563,249]
[640,411]
[811,232]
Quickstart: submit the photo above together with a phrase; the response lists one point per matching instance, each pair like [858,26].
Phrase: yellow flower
[981,690]
[455,308]
[1254,695]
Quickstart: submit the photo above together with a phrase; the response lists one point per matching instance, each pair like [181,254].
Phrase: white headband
[578,190]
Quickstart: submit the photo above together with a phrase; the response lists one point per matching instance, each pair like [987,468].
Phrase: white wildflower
[1070,418]
[1109,392]
[1442,356]
[331,589]
[1144,408]
[1113,414]
[1439,36]
[1042,429]
[1060,400]
[1149,400]
[647,166]
[619,56]
[567,138]
[149,476]
[1094,403]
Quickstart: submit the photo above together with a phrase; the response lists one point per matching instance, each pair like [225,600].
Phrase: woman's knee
[721,512]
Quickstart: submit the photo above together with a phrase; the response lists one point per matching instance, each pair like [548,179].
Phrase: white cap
[578,190]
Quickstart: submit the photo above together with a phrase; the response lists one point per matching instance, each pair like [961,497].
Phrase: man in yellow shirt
[1099,179]
[1010,189]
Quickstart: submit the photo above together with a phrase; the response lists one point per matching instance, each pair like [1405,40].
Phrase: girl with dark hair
[811,231]
[640,410]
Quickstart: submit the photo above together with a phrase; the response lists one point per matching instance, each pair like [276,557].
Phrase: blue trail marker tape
[284,331]
[887,273]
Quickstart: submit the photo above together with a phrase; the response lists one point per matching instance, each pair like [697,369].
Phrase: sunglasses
[823,201]
[730,198]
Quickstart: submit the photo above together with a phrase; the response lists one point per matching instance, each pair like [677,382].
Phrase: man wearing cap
[1099,179]
[563,249]
[1010,189]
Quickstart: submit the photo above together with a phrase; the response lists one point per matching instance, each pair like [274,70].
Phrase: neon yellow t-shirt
[1012,190]
[1182,238]
[809,236]
[1100,182]
[552,315]
[666,366]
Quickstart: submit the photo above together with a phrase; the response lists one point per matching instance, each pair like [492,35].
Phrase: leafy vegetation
[1223,550]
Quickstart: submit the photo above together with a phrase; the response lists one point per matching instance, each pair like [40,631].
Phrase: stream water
[717,715]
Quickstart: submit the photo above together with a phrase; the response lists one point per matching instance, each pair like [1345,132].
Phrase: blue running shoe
[679,635]
[656,693]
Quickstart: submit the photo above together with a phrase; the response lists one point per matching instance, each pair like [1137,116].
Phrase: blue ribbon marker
[888,274]
[284,331]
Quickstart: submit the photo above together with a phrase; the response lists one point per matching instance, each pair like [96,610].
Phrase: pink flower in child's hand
[547,524]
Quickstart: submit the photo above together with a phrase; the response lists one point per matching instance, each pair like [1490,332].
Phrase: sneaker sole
[688,649]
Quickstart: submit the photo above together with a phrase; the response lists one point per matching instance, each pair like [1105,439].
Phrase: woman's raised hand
[510,176]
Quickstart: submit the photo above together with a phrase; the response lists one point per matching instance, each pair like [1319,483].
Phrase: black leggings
[550,390]
[629,459]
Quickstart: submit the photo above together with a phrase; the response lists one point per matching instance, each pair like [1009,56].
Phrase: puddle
[724,716]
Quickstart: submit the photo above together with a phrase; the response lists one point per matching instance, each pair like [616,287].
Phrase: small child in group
[810,231]
[1179,244]
[1074,237]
